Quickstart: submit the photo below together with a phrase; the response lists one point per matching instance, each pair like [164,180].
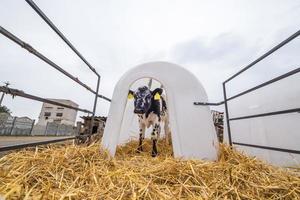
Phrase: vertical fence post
[46,129]
[95,106]
[30,132]
[227,115]
[12,125]
[57,128]
[2,97]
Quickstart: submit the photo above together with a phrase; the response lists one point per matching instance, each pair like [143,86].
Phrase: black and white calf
[151,109]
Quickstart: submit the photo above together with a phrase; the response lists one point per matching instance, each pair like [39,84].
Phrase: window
[47,114]
[59,114]
[58,121]
[48,107]
[60,108]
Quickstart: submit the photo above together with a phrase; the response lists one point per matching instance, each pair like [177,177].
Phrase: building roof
[102,118]
[25,118]
[64,100]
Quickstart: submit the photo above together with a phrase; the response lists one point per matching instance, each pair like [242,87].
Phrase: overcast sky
[212,39]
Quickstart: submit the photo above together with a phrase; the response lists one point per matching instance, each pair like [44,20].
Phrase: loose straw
[84,172]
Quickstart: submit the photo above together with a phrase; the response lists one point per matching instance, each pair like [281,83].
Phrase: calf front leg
[142,136]
[154,138]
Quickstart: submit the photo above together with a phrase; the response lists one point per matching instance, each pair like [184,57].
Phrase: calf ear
[157,90]
[156,93]
[130,94]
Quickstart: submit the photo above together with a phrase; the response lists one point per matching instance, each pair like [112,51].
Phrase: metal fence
[23,126]
[227,99]
[225,102]
[55,129]
[16,126]
[33,51]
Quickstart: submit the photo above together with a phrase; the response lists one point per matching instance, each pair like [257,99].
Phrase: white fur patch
[150,120]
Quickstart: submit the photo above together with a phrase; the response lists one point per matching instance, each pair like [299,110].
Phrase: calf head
[143,98]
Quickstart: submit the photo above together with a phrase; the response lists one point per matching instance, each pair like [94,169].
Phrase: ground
[88,172]
[14,140]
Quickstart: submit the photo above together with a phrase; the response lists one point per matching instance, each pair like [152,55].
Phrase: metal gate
[28,47]
[278,112]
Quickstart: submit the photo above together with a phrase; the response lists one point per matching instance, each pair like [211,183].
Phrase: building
[83,129]
[58,114]
[98,127]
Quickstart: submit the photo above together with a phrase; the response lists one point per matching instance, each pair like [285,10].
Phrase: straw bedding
[81,172]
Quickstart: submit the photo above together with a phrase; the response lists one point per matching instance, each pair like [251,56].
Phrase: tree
[4,109]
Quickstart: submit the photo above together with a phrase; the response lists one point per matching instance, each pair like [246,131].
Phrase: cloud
[215,60]
[211,39]
[226,46]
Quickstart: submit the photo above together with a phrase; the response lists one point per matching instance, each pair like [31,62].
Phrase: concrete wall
[53,129]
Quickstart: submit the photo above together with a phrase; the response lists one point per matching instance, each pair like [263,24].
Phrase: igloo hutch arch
[192,130]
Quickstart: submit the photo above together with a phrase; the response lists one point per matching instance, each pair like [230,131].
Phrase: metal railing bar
[20,146]
[266,83]
[15,92]
[94,108]
[45,59]
[290,73]
[227,115]
[60,34]
[269,148]
[296,34]
[267,114]
[42,57]
[208,104]
[105,98]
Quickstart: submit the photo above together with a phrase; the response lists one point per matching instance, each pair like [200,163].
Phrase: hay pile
[77,172]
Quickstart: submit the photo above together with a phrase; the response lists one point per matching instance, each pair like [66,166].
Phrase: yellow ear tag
[130,96]
[157,96]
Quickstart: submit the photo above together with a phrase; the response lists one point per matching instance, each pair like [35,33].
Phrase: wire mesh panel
[56,129]
[22,126]
[6,124]
[16,126]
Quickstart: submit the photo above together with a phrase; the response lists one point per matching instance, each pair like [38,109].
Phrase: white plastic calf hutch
[192,130]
